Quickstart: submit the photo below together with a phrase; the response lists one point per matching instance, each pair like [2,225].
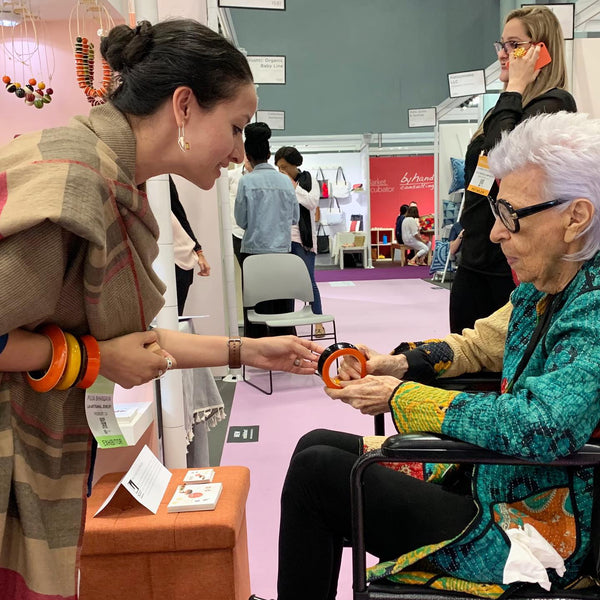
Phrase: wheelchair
[430,448]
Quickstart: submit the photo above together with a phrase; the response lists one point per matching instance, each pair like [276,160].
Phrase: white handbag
[330,215]
[341,188]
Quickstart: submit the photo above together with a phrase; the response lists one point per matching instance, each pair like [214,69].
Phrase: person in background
[266,208]
[78,291]
[304,234]
[455,240]
[235,173]
[412,237]
[399,220]
[186,258]
[483,281]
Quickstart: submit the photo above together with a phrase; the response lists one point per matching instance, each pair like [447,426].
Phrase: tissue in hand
[529,556]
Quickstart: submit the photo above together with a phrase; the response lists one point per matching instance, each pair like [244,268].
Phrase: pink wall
[68,100]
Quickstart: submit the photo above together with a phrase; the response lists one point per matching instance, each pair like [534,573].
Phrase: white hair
[566,147]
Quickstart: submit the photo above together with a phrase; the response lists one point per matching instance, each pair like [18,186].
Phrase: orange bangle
[73,367]
[332,353]
[57,364]
[92,361]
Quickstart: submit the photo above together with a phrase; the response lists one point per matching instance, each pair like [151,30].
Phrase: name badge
[482,180]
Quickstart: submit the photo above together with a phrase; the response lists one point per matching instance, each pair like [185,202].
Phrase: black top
[179,212]
[399,220]
[478,253]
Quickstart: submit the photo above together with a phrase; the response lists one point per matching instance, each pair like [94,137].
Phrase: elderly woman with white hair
[454,523]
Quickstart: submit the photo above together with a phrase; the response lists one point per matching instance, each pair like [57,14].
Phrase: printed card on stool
[195,497]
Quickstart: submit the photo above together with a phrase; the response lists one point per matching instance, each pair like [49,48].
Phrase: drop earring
[183,145]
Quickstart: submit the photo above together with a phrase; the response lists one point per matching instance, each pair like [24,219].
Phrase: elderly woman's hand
[377,364]
[370,395]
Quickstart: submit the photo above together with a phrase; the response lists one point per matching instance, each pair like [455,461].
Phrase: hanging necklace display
[33,93]
[85,52]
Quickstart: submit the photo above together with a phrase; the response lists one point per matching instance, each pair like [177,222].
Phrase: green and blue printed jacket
[550,411]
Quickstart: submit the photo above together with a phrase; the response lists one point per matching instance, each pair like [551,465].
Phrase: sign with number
[466,83]
[267,69]
[275,119]
[262,4]
[422,117]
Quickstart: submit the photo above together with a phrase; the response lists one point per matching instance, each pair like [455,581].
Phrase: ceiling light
[9,18]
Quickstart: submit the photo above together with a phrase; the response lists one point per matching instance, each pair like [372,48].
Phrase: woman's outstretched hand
[281,353]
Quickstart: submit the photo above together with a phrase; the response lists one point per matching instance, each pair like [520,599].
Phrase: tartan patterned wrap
[77,241]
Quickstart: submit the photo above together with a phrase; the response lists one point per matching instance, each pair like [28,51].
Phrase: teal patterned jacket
[550,412]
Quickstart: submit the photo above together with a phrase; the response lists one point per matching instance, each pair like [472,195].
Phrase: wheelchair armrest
[482,381]
[437,448]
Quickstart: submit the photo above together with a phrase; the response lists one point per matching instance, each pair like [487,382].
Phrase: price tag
[100,414]
[482,180]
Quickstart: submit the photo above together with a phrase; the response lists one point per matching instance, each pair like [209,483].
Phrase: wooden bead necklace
[85,52]
[33,93]
[84,65]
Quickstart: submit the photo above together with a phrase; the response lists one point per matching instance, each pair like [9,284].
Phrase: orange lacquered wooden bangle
[57,364]
[73,363]
[92,363]
[332,353]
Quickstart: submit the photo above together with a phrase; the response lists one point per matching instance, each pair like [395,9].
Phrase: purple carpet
[358,274]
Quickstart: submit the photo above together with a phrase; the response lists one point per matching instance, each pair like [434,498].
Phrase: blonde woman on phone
[484,280]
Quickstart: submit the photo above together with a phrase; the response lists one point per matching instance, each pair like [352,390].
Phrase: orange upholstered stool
[128,552]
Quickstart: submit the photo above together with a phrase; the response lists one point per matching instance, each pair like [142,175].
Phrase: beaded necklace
[85,53]
[34,93]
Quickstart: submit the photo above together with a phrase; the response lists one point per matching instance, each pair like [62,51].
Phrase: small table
[353,250]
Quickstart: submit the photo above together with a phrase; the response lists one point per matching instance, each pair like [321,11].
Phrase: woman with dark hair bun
[304,234]
[78,291]
[266,208]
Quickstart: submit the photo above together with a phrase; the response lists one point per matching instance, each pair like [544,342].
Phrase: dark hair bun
[290,154]
[125,47]
[258,132]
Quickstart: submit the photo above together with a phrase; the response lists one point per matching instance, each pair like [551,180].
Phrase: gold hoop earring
[183,145]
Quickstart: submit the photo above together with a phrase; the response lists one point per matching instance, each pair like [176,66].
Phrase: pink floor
[379,314]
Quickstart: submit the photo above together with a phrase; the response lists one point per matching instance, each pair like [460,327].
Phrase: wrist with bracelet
[75,362]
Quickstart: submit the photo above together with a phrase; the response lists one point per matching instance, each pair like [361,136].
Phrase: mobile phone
[544,58]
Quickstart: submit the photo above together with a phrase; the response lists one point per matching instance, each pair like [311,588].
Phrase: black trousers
[401,514]
[183,279]
[237,248]
[474,296]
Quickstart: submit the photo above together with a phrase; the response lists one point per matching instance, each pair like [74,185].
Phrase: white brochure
[146,480]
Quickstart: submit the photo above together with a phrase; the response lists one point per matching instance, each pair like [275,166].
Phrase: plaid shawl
[77,241]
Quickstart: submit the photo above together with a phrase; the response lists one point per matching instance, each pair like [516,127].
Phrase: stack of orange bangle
[75,362]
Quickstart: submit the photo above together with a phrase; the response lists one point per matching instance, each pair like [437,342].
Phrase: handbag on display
[331,215]
[356,222]
[322,241]
[323,184]
[341,188]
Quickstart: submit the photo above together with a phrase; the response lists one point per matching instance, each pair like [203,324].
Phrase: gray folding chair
[277,277]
